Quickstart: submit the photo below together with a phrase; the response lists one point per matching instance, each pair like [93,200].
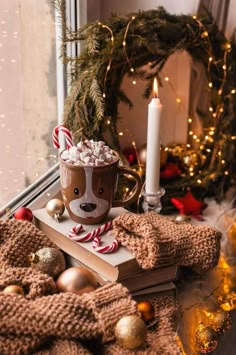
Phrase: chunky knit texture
[46,322]
[156,240]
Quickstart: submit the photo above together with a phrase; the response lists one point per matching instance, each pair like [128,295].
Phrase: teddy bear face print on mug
[89,174]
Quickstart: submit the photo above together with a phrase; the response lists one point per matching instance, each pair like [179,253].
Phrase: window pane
[27,93]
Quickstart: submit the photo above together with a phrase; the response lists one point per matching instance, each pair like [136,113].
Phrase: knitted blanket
[47,322]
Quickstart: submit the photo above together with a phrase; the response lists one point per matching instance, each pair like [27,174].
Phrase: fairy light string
[110,56]
[125,46]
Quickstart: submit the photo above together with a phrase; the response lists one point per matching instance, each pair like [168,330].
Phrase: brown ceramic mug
[89,191]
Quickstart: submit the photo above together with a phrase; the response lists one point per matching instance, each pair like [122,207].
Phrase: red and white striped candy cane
[106,248]
[66,133]
[93,235]
[98,231]
[73,233]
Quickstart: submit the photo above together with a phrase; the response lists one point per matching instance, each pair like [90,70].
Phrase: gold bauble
[143,155]
[147,310]
[219,321]
[77,280]
[14,289]
[205,339]
[131,332]
[55,208]
[48,260]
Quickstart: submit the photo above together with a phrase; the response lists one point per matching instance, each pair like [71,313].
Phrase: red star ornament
[188,205]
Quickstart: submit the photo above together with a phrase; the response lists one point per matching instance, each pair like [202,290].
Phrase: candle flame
[155,88]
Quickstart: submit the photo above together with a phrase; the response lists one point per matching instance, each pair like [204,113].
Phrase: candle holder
[152,201]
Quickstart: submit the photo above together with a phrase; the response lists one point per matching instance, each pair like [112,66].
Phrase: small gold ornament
[182,218]
[77,280]
[147,310]
[55,208]
[131,332]
[219,321]
[14,289]
[205,339]
[48,260]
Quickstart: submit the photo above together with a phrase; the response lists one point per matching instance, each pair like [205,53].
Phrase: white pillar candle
[153,143]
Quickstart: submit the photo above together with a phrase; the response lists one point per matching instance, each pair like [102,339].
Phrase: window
[33,84]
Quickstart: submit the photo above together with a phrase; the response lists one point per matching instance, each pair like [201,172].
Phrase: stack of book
[119,266]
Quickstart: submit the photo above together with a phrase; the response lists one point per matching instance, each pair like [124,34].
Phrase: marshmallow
[65,155]
[90,153]
[99,162]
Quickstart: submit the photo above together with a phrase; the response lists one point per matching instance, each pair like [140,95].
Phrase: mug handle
[136,190]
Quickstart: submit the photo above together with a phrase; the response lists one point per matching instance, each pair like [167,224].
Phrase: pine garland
[123,46]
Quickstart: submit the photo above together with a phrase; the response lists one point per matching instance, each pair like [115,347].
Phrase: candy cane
[98,231]
[73,233]
[93,235]
[106,248]
[67,134]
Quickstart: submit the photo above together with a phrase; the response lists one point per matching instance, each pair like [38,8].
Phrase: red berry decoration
[24,213]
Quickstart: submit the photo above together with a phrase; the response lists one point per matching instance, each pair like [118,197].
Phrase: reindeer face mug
[89,173]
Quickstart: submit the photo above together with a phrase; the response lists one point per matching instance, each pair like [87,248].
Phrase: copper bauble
[48,260]
[77,280]
[131,332]
[147,310]
[14,289]
[55,208]
[205,339]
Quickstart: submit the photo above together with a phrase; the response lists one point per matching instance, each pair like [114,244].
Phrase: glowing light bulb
[210,84]
[190,120]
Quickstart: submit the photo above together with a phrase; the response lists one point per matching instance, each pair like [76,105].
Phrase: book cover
[149,278]
[166,289]
[113,267]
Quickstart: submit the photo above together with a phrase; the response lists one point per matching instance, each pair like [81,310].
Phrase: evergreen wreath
[123,46]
